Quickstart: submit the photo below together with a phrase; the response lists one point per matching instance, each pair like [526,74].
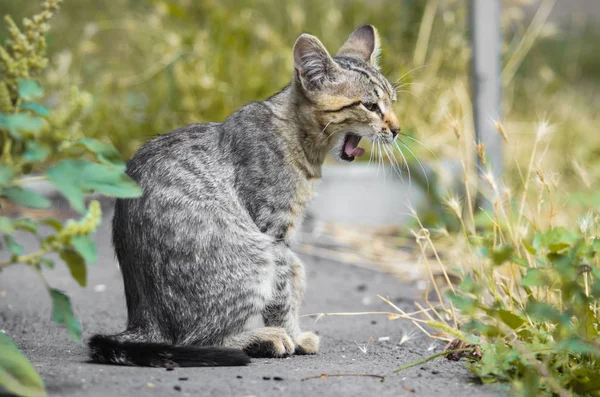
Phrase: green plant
[528,299]
[49,146]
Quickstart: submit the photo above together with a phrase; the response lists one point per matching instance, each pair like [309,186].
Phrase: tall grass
[156,65]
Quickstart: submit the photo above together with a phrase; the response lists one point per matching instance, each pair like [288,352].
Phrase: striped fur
[207,245]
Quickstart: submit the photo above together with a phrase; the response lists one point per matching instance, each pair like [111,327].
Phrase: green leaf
[30,89]
[519,261]
[20,122]
[529,247]
[501,254]
[6,225]
[545,312]
[62,313]
[35,152]
[104,152]
[25,197]
[17,375]
[535,278]
[6,175]
[53,223]
[86,247]
[76,265]
[73,178]
[26,224]
[578,346]
[511,319]
[558,239]
[36,107]
[14,247]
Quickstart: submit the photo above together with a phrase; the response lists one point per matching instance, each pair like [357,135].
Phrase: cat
[207,245]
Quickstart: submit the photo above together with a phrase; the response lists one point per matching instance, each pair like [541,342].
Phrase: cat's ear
[314,66]
[363,44]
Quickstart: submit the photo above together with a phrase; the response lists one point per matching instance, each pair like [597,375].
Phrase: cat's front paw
[271,342]
[307,343]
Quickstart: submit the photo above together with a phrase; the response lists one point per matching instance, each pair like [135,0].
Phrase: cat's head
[349,97]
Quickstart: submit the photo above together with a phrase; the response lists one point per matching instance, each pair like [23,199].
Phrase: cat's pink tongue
[351,148]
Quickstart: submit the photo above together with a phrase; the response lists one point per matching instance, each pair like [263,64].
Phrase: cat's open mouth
[350,150]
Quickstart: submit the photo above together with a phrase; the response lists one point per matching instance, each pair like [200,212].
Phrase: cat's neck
[297,125]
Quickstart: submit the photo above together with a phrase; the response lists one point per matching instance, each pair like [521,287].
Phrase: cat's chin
[350,149]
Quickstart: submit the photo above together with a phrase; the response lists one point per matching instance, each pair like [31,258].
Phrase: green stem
[423,361]
[23,181]
[24,259]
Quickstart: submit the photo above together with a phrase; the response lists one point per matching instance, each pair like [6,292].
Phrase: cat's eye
[371,107]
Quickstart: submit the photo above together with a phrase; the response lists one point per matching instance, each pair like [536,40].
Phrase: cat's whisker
[326,128]
[419,142]
[418,161]
[393,161]
[410,71]
[405,162]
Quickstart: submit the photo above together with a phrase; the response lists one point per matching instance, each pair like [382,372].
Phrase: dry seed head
[585,222]
[500,128]
[543,129]
[582,174]
[488,176]
[454,205]
[455,128]
[481,152]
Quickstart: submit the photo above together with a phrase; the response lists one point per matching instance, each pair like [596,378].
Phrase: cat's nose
[395,131]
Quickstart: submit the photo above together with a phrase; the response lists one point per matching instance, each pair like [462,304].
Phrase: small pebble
[183,378]
[373,322]
[434,372]
[266,378]
[277,378]
[362,287]
[239,376]
[178,388]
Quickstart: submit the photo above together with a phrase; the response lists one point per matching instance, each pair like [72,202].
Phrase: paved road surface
[332,287]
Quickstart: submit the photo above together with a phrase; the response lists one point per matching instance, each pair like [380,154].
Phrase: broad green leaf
[17,375]
[461,302]
[26,224]
[76,265]
[14,247]
[104,152]
[511,319]
[558,239]
[596,245]
[501,254]
[6,175]
[545,312]
[30,89]
[37,108]
[519,261]
[535,278]
[537,241]
[6,225]
[17,122]
[53,223]
[73,178]
[529,247]
[578,346]
[35,152]
[62,313]
[86,247]
[25,197]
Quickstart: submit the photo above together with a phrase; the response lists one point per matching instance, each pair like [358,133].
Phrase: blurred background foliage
[155,65]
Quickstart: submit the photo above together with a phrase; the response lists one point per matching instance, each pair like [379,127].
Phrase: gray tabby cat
[207,245]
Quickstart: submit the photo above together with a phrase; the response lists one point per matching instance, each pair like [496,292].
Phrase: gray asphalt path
[345,346]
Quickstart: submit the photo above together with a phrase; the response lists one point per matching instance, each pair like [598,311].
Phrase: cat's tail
[111,349]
